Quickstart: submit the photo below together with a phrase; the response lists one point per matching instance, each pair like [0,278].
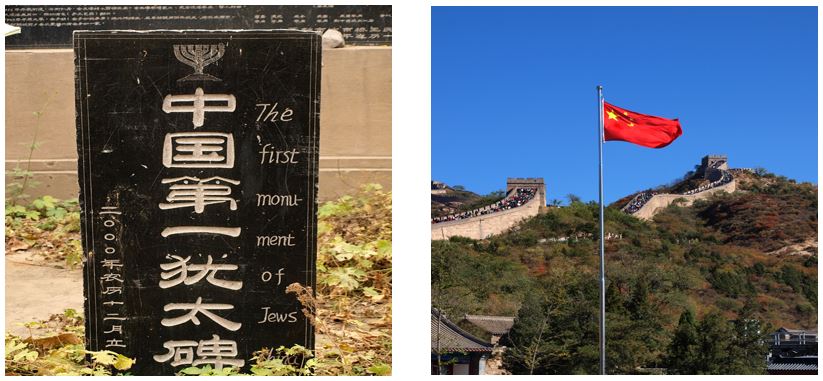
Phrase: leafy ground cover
[351,309]
[48,229]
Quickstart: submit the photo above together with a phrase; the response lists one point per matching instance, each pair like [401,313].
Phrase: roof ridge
[489,317]
[460,331]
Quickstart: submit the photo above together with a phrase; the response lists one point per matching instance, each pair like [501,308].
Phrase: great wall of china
[713,167]
[488,221]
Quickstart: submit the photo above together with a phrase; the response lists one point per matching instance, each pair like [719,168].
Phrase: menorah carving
[198,57]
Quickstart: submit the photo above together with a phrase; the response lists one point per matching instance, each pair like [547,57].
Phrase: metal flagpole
[602,251]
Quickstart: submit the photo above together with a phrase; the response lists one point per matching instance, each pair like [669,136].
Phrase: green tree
[683,353]
[634,333]
[451,290]
[464,281]
[718,346]
[556,332]
[715,341]
[529,345]
[749,348]
[647,329]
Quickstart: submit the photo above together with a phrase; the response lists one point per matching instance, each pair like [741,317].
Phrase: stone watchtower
[529,182]
[711,165]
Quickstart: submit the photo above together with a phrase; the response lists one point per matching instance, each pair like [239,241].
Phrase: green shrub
[730,283]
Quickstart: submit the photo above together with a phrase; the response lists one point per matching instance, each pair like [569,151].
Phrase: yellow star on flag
[612,115]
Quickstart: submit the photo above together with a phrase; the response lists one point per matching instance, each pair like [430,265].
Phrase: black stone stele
[198,183]
[51,26]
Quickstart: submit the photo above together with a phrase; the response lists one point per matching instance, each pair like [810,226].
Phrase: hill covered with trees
[692,291]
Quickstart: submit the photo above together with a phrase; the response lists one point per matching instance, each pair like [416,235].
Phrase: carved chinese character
[113,290]
[213,352]
[198,106]
[194,192]
[115,343]
[196,307]
[111,277]
[181,350]
[181,267]
[198,150]
[111,263]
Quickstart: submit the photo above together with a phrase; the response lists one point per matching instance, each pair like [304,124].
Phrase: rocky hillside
[751,255]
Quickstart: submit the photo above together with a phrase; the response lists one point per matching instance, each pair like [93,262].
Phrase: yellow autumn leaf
[123,362]
[104,357]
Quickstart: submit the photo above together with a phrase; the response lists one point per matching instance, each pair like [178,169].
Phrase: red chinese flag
[645,130]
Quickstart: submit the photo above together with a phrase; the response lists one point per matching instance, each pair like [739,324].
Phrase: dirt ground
[35,290]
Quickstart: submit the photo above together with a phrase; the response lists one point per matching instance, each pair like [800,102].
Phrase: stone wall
[486,225]
[355,119]
[661,201]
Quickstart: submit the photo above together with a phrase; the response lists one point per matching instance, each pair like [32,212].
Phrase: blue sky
[513,92]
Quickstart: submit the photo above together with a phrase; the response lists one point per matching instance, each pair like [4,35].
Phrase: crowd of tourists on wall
[725,178]
[638,201]
[518,197]
[641,199]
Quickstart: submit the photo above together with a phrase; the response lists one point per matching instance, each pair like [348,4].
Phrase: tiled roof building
[793,351]
[793,365]
[458,351]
